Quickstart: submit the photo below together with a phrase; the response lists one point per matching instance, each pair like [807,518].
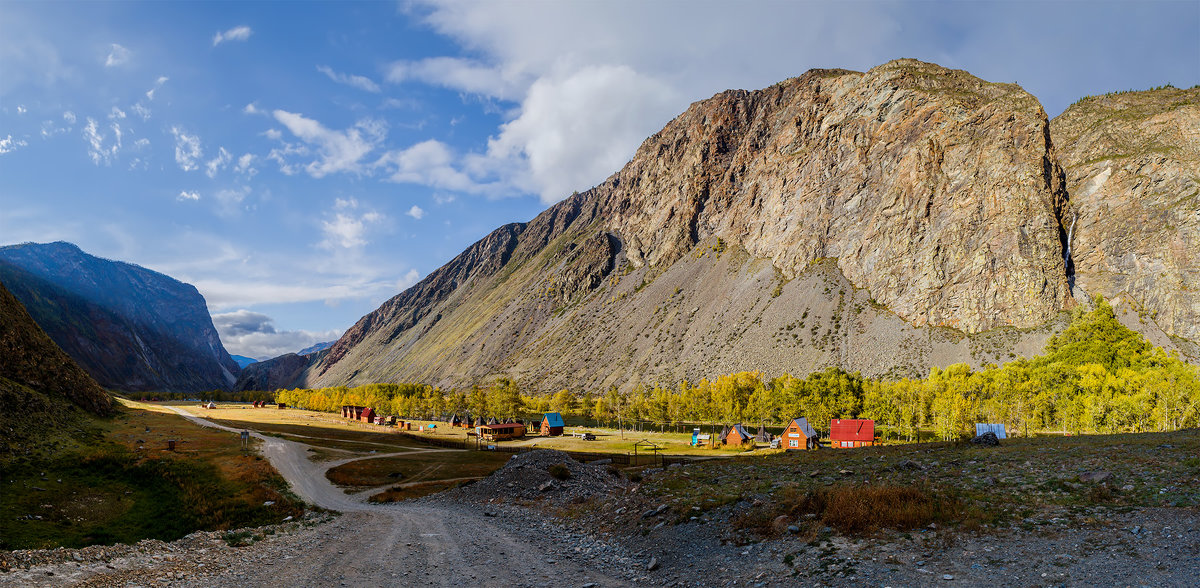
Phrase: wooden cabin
[848,433]
[500,432]
[799,435]
[735,435]
[368,415]
[455,421]
[552,424]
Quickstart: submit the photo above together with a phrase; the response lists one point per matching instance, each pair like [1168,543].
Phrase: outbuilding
[736,435]
[500,432]
[799,435]
[848,433]
[455,421]
[552,424]
[367,415]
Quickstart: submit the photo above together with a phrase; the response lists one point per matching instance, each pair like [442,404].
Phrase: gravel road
[369,545]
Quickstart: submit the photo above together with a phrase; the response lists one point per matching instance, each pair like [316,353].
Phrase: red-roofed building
[847,433]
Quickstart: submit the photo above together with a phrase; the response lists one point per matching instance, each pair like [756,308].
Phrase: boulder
[988,439]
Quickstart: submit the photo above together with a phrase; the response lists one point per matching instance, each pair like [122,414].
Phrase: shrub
[852,509]
[559,471]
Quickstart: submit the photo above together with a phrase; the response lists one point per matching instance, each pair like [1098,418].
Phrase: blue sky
[300,163]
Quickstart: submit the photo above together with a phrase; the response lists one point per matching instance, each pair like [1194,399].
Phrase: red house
[368,415]
[847,433]
[799,435]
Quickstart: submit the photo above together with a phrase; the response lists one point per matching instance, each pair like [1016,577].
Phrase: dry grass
[852,510]
[398,493]
[421,466]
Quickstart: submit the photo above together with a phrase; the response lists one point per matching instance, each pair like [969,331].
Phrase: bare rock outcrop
[831,219]
[1133,172]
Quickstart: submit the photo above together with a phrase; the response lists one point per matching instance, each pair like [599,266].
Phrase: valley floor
[499,533]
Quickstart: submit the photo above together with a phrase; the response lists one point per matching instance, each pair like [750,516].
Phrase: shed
[847,433]
[735,435]
[455,421]
[552,424]
[500,432]
[799,435]
[997,428]
[367,415]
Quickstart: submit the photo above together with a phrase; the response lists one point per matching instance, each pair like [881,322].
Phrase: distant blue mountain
[130,328]
[243,361]
[314,348]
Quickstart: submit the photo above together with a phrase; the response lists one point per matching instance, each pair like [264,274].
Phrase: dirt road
[376,545]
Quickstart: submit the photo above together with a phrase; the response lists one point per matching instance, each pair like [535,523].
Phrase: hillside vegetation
[1097,376]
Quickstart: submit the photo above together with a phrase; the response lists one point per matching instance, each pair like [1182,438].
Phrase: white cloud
[338,151]
[235,34]
[116,114]
[215,164]
[576,130]
[21,109]
[188,195]
[69,117]
[100,148]
[409,278]
[441,198]
[157,84]
[230,200]
[251,109]
[253,334]
[416,212]
[141,143]
[360,82]
[461,74]
[117,55]
[346,228]
[245,165]
[8,144]
[430,163]
[187,149]
[141,111]
[273,134]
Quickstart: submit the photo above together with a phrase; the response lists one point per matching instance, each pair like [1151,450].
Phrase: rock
[947,577]
[545,486]
[908,465]
[653,565]
[1131,161]
[865,177]
[1127,488]
[1094,477]
[793,529]
[781,523]
[988,439]
[488,513]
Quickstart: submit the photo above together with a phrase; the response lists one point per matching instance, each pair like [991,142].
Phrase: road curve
[398,544]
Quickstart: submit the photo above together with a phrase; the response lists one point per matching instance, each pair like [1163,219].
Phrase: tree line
[1097,376]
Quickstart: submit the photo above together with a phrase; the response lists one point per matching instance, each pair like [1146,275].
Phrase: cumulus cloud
[117,55]
[362,83]
[21,109]
[8,144]
[338,151]
[346,227]
[251,109]
[245,165]
[69,117]
[240,33]
[215,164]
[188,195]
[187,149]
[102,146]
[416,212]
[253,334]
[429,163]
[116,113]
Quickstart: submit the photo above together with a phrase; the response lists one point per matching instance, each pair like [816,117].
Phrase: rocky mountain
[1133,173]
[278,372]
[885,221]
[130,328]
[315,348]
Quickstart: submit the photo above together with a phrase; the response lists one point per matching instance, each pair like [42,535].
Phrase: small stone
[793,529]
[947,577]
[653,565]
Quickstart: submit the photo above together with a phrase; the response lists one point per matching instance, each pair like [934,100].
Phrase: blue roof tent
[553,419]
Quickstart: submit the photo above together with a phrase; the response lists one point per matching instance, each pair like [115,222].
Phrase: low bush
[559,471]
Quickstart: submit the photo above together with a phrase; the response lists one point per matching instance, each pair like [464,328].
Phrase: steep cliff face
[937,192]
[838,218]
[130,328]
[1133,172]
